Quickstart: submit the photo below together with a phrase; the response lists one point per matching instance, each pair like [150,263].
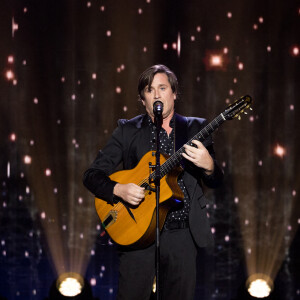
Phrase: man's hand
[130,192]
[199,156]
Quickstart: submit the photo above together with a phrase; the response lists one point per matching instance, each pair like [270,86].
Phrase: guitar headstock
[237,107]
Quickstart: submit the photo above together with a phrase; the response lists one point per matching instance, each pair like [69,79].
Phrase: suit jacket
[128,144]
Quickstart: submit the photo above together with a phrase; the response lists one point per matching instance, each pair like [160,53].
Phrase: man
[186,227]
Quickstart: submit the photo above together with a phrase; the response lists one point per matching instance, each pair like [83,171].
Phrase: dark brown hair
[147,76]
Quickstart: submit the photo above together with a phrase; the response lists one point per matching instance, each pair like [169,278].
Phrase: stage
[69,72]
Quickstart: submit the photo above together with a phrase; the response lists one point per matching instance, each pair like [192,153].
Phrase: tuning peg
[239,118]
[250,108]
[245,113]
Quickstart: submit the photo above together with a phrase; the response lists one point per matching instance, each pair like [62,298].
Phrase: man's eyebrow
[147,87]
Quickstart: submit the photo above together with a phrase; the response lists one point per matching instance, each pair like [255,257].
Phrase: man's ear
[143,102]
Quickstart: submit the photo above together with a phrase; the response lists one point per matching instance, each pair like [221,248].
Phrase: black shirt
[167,147]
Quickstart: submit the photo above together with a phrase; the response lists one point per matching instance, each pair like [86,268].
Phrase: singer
[186,227]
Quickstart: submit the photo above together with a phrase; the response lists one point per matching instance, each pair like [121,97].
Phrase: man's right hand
[130,192]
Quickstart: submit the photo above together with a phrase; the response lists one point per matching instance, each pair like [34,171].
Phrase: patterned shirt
[167,147]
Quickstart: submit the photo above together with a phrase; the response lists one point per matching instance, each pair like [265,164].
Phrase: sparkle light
[178,44]
[93,282]
[13,137]
[10,59]
[8,169]
[295,50]
[215,60]
[14,27]
[27,159]
[240,66]
[48,172]
[279,151]
[9,75]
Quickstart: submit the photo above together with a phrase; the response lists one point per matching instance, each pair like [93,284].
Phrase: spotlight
[259,285]
[70,286]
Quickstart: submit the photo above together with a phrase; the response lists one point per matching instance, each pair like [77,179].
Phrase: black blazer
[130,141]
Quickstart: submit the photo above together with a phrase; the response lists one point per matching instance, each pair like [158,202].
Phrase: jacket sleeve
[96,177]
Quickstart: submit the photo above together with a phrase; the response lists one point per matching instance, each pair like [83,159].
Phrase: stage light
[70,284]
[259,285]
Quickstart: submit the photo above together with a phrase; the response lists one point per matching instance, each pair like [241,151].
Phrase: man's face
[160,90]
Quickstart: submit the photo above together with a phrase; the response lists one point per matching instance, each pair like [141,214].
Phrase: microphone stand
[158,124]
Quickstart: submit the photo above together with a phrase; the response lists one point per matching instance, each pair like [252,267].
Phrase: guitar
[134,226]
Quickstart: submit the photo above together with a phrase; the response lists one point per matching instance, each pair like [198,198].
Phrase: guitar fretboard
[175,159]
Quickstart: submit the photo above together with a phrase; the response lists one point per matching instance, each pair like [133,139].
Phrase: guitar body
[134,226]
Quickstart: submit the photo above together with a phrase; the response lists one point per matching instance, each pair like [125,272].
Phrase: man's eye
[162,88]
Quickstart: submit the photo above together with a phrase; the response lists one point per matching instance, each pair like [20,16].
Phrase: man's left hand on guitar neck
[199,156]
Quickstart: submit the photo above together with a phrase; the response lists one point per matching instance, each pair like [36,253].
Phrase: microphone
[158,108]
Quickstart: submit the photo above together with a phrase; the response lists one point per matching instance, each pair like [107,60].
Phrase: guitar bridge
[110,219]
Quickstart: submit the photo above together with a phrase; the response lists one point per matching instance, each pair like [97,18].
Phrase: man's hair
[147,76]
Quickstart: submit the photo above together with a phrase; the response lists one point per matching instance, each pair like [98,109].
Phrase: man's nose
[156,94]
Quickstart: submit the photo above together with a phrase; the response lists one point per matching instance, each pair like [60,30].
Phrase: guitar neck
[176,158]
